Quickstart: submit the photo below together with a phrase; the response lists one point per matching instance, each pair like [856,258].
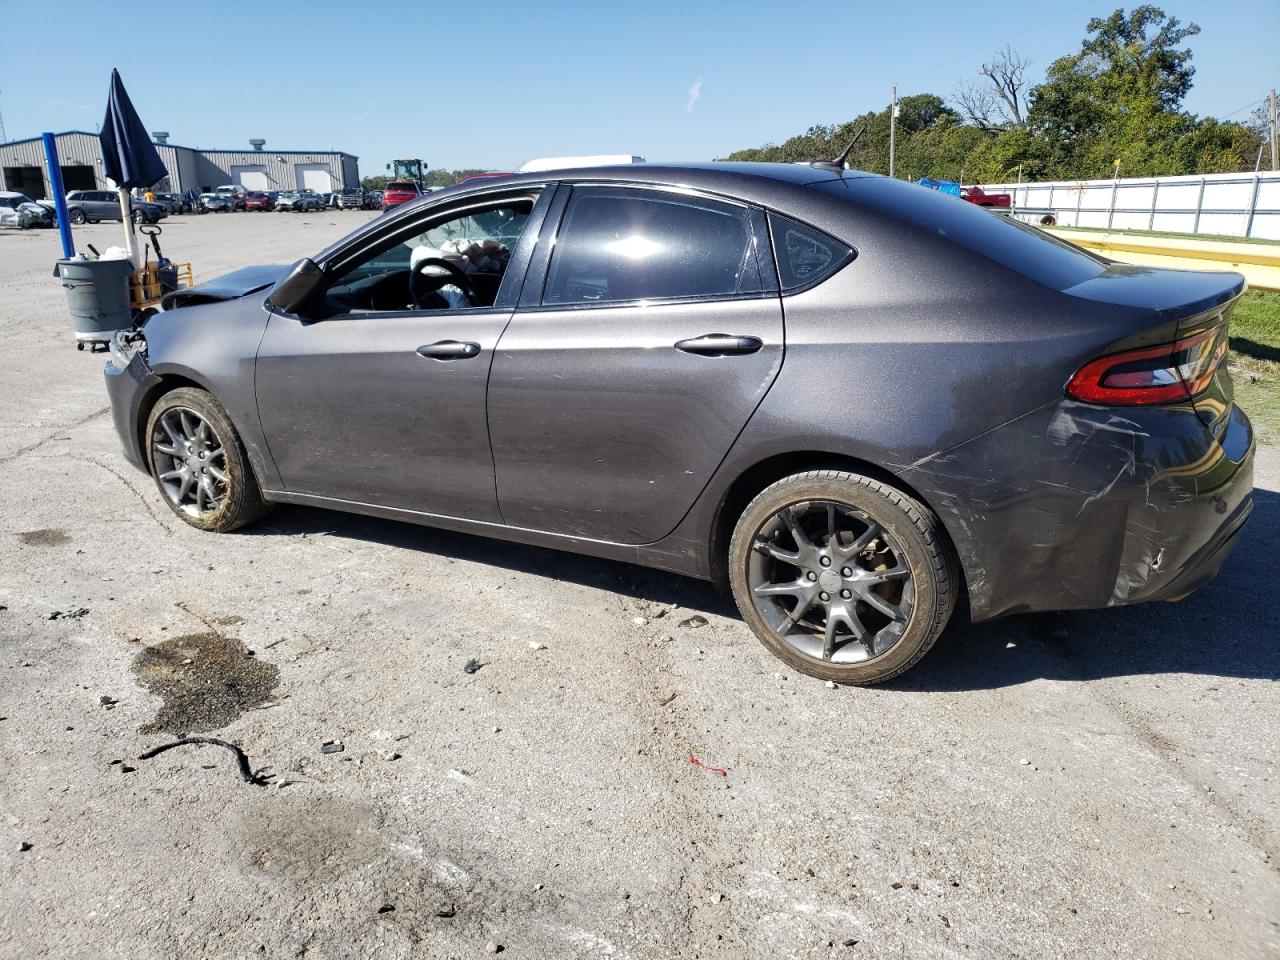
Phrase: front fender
[215,346]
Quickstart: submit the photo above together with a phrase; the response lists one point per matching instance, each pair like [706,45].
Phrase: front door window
[456,261]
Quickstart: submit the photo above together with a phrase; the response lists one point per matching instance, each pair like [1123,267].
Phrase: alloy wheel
[830,581]
[190,462]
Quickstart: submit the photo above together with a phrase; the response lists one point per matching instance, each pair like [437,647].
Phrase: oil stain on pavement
[52,537]
[205,680]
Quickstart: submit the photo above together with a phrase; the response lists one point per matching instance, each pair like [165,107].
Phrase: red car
[258,201]
[976,195]
[399,191]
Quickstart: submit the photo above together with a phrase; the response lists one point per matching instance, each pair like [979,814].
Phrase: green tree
[1119,97]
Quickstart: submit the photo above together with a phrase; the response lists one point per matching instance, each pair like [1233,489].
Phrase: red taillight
[1170,373]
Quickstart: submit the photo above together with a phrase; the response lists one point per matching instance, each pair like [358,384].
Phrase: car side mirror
[297,289]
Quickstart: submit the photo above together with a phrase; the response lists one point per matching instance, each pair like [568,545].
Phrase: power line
[1247,106]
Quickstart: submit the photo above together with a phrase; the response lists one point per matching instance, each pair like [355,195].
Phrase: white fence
[1227,204]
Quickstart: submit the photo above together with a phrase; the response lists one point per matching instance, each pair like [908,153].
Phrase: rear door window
[618,244]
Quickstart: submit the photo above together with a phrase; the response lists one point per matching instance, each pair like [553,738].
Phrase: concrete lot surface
[1086,785]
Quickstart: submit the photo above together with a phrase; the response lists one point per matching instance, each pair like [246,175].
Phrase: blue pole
[59,195]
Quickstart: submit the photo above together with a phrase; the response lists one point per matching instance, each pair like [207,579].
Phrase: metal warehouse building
[22,167]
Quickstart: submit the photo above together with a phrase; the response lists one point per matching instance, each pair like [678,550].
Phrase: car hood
[229,286]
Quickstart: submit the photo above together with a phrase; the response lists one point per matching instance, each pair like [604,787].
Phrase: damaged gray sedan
[852,400]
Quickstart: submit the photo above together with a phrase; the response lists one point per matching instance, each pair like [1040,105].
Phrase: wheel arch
[168,382]
[755,478]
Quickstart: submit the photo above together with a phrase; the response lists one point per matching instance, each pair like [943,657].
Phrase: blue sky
[493,84]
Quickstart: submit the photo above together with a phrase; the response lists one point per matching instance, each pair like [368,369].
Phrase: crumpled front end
[1076,506]
[129,381]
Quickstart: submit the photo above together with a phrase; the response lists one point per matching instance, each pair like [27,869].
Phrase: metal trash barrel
[97,296]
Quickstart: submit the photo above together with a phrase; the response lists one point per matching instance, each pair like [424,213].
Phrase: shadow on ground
[1226,629]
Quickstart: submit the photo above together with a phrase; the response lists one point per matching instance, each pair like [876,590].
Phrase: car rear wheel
[199,462]
[841,576]
[139,217]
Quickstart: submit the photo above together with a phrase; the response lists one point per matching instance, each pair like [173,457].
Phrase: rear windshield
[1011,243]
[402,186]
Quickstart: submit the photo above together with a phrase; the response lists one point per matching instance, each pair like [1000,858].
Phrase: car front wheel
[841,576]
[200,464]
[77,216]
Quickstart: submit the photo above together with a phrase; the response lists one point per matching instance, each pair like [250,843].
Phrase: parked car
[298,201]
[215,203]
[399,191]
[257,200]
[172,202]
[19,210]
[982,199]
[351,199]
[372,200]
[967,404]
[90,206]
[234,194]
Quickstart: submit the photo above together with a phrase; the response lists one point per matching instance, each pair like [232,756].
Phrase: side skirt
[663,555]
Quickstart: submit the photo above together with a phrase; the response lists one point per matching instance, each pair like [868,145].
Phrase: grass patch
[1255,326]
[1255,361]
[1258,395]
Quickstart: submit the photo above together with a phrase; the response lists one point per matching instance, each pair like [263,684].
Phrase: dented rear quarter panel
[1075,506]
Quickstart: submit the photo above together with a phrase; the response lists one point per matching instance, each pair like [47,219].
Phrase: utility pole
[1275,148]
[893,125]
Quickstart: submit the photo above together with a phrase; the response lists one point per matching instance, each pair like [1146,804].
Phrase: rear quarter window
[805,255]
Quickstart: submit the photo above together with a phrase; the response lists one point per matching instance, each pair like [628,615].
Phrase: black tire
[139,217]
[923,546]
[241,502]
[77,216]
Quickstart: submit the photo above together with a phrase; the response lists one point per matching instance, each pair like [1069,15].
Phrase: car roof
[748,181]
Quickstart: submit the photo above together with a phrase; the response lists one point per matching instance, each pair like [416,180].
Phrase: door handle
[719,345]
[449,350]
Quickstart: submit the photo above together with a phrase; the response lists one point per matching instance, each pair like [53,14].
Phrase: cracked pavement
[1088,785]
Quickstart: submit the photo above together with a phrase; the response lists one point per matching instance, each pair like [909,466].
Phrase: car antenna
[838,163]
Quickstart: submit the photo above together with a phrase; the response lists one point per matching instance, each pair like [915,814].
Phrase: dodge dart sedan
[852,400]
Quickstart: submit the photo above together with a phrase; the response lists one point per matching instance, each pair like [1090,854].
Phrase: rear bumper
[1080,507]
[127,388]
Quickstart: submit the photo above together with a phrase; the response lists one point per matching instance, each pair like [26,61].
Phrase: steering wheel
[456,276]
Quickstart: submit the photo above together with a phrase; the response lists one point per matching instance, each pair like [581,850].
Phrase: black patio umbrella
[128,155]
